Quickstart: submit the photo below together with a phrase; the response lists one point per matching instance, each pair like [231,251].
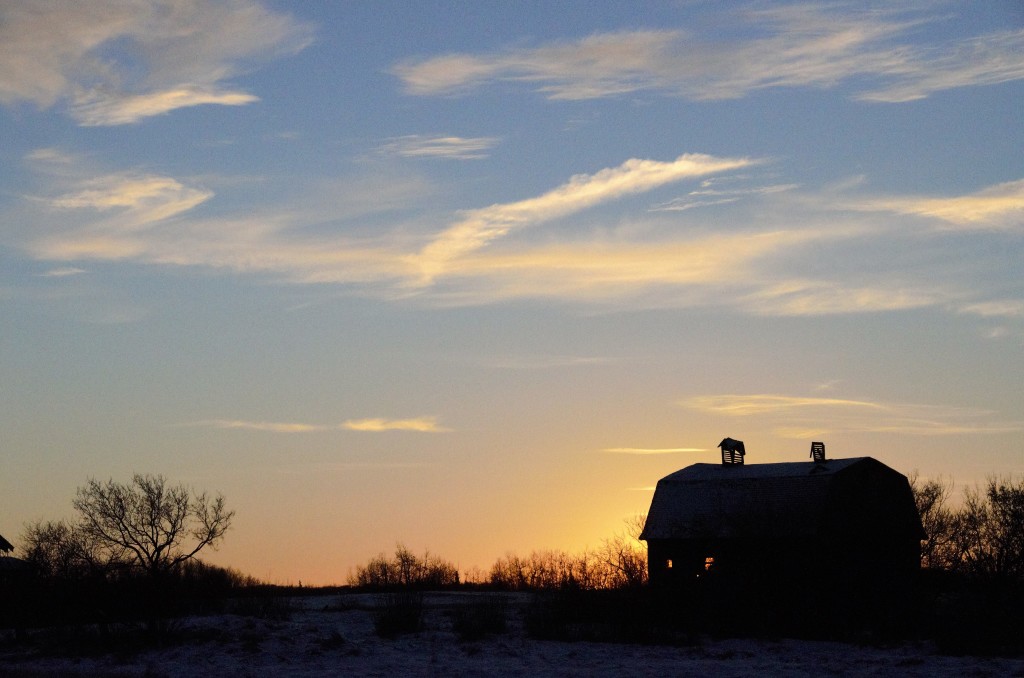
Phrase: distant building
[11,568]
[852,521]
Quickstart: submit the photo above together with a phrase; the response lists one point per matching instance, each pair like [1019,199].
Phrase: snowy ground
[334,635]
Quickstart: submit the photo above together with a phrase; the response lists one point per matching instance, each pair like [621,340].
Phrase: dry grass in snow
[336,635]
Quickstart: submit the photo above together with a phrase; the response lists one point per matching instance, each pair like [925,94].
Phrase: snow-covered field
[334,636]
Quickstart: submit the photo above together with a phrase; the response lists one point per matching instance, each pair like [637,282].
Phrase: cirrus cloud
[652,451]
[743,260]
[449,147]
[796,45]
[121,61]
[98,109]
[479,227]
[379,425]
[808,417]
[419,424]
[992,208]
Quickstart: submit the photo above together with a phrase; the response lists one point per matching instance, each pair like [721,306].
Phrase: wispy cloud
[988,59]
[418,424]
[64,272]
[741,260]
[800,45]
[681,272]
[994,207]
[707,197]
[119,62]
[809,417]
[266,426]
[150,197]
[745,405]
[131,204]
[99,109]
[452,148]
[597,66]
[480,227]
[652,451]
[807,297]
[1004,308]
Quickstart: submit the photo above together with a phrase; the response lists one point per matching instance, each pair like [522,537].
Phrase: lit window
[668,564]
[708,562]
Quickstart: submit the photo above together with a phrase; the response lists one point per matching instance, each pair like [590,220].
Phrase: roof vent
[732,451]
[818,452]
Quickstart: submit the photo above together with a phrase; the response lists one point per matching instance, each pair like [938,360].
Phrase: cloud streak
[501,252]
[130,204]
[998,207]
[97,109]
[643,451]
[121,61]
[815,297]
[746,405]
[789,46]
[379,425]
[1003,308]
[419,424]
[707,197]
[686,271]
[447,147]
[807,417]
[265,426]
[480,227]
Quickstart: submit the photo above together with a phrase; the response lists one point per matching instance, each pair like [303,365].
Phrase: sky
[472,277]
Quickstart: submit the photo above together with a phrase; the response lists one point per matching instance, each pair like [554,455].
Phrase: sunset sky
[474,276]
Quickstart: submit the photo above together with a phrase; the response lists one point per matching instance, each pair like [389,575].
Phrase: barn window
[668,564]
[708,562]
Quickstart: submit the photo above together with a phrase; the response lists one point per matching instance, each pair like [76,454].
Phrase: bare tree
[149,524]
[620,562]
[59,549]
[989,534]
[405,570]
[939,522]
[624,556]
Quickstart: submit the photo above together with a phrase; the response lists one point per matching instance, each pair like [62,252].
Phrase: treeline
[983,538]
[127,558]
[405,570]
[617,564]
[620,562]
[971,594]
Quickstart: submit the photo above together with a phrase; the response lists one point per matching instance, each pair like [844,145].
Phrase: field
[461,634]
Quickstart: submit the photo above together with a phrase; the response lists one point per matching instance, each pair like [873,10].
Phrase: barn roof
[5,546]
[784,500]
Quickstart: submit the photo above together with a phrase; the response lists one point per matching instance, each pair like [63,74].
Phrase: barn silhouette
[838,524]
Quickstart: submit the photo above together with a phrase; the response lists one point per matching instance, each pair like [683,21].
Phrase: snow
[334,635]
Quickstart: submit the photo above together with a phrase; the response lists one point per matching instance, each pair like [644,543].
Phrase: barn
[809,524]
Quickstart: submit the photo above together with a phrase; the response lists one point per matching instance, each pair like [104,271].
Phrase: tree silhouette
[989,534]
[148,524]
[938,551]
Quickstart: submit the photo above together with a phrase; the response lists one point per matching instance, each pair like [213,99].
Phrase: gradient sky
[474,276]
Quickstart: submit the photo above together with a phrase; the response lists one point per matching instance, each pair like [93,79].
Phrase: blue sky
[473,277]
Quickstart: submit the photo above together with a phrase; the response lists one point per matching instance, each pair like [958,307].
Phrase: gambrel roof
[791,500]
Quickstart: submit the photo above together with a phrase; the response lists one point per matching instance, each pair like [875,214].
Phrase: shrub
[398,613]
[405,571]
[620,562]
[262,605]
[482,617]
